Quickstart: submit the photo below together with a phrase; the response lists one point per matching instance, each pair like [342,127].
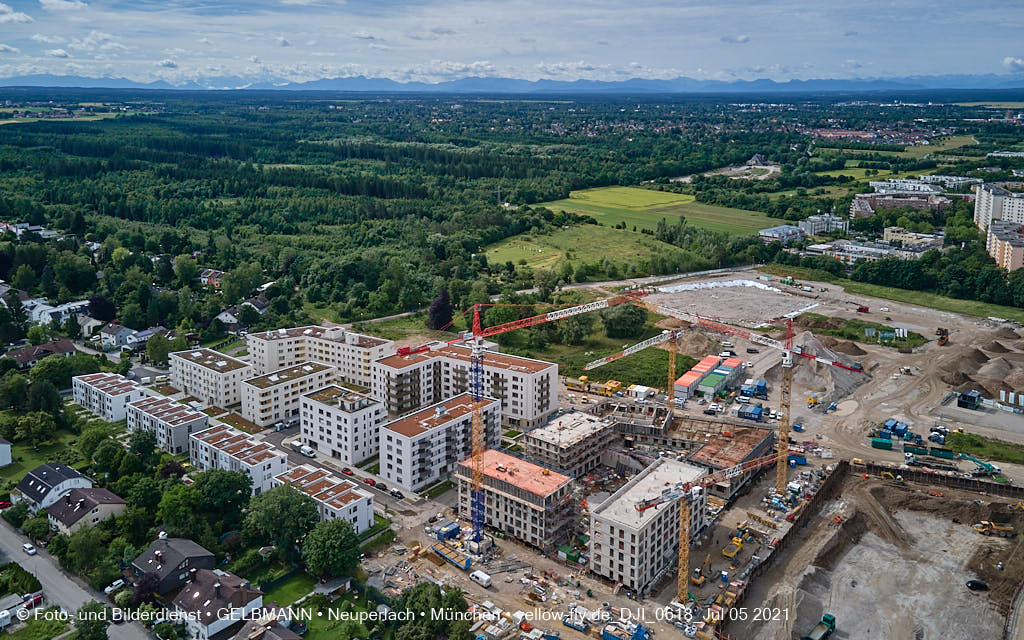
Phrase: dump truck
[825,628]
[583,384]
[733,548]
[987,528]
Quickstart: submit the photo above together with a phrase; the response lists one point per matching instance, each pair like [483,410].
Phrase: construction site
[857,512]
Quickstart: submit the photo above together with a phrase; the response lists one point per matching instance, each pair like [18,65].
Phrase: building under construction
[524,500]
[573,442]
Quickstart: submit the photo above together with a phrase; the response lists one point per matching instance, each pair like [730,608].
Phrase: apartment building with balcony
[342,423]
[335,498]
[422,448]
[524,500]
[171,422]
[227,448]
[572,442]
[351,354]
[106,394]
[214,378]
[276,396]
[526,388]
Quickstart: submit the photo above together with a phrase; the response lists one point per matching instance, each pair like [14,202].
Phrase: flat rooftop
[492,359]
[167,411]
[323,487]
[337,396]
[435,416]
[723,452]
[290,374]
[213,360]
[238,444]
[663,474]
[334,334]
[524,475]
[570,429]
[112,384]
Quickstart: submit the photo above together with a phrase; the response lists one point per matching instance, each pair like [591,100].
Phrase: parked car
[382,486]
[29,549]
[977,585]
[32,601]
[4,504]
[347,471]
[398,494]
[432,519]
[114,586]
[752,350]
[370,481]
[750,365]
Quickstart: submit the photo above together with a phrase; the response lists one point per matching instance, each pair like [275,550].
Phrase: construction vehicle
[734,547]
[700,574]
[583,384]
[862,309]
[825,628]
[610,388]
[886,475]
[983,468]
[987,528]
[943,335]
[1017,507]
[831,407]
[813,401]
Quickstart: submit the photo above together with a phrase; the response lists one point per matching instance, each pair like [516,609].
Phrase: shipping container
[881,443]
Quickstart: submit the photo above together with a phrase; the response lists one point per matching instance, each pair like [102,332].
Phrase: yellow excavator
[700,574]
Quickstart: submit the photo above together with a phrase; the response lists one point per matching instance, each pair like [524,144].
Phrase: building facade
[335,498]
[276,396]
[214,378]
[227,448]
[422,448]
[1005,243]
[784,233]
[106,394]
[524,500]
[823,223]
[351,354]
[638,548]
[526,388]
[572,442]
[48,483]
[82,508]
[993,203]
[171,422]
[342,423]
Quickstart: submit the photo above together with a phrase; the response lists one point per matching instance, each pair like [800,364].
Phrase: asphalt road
[58,587]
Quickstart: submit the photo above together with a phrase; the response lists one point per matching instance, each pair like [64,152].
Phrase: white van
[480,578]
[308,451]
[727,345]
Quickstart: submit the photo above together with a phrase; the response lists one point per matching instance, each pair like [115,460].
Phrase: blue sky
[435,40]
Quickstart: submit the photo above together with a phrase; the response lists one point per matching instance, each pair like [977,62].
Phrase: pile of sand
[998,368]
[995,347]
[1007,333]
[697,344]
[975,356]
[1016,379]
[849,348]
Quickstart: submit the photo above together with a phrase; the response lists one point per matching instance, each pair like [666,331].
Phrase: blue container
[890,423]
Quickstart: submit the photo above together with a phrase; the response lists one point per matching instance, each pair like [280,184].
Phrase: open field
[919,151]
[25,458]
[580,243]
[643,208]
[994,105]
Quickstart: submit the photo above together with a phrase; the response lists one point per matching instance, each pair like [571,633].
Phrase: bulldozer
[700,574]
[987,528]
[943,335]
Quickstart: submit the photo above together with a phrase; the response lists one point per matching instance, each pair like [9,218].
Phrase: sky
[283,41]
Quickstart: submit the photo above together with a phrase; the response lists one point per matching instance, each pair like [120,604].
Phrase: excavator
[886,475]
[984,468]
[700,574]
[943,335]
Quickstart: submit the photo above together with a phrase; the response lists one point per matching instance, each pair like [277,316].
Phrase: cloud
[97,40]
[1013,64]
[254,59]
[6,48]
[47,39]
[62,5]
[364,35]
[205,41]
[168,64]
[57,53]
[9,15]
[281,40]
[176,51]
[849,34]
[737,39]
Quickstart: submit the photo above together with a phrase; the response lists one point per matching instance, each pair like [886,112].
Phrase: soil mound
[849,348]
[975,357]
[995,347]
[1007,333]
[955,378]
[997,368]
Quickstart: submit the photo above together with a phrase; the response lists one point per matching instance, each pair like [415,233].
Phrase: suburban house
[215,600]
[230,316]
[211,277]
[82,508]
[138,339]
[28,356]
[5,453]
[48,483]
[89,326]
[172,560]
[271,625]
[114,335]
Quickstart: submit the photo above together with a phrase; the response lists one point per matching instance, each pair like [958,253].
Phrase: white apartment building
[351,354]
[106,394]
[227,448]
[171,421]
[343,423]
[823,223]
[903,185]
[638,548]
[950,182]
[275,396]
[573,442]
[212,377]
[422,448]
[524,500]
[526,388]
[335,498]
[996,203]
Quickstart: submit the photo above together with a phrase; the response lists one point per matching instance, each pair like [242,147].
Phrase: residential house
[48,483]
[215,600]
[138,339]
[171,559]
[272,625]
[83,508]
[114,335]
[30,355]
[211,277]
[106,394]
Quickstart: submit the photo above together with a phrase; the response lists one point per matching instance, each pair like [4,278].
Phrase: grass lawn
[397,328]
[328,627]
[922,298]
[986,448]
[578,244]
[643,208]
[320,311]
[239,422]
[290,590]
[438,489]
[39,629]
[854,330]
[237,342]
[24,459]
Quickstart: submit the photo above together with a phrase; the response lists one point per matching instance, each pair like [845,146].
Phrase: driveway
[59,587]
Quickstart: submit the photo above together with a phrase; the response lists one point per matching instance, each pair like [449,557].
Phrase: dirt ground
[894,568]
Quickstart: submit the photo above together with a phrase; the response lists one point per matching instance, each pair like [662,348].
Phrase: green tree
[56,369]
[282,516]
[90,439]
[37,334]
[24,278]
[574,330]
[186,269]
[35,428]
[13,390]
[624,321]
[43,396]
[86,548]
[92,621]
[178,510]
[107,456]
[36,528]
[331,548]
[142,444]
[157,348]
[545,281]
[16,514]
[440,313]
[224,494]
[247,315]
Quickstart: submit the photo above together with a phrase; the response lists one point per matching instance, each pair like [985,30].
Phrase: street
[59,588]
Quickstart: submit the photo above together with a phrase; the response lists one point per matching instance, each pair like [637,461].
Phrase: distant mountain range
[517,86]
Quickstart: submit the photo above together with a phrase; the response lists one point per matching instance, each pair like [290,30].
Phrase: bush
[16,514]
[14,579]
